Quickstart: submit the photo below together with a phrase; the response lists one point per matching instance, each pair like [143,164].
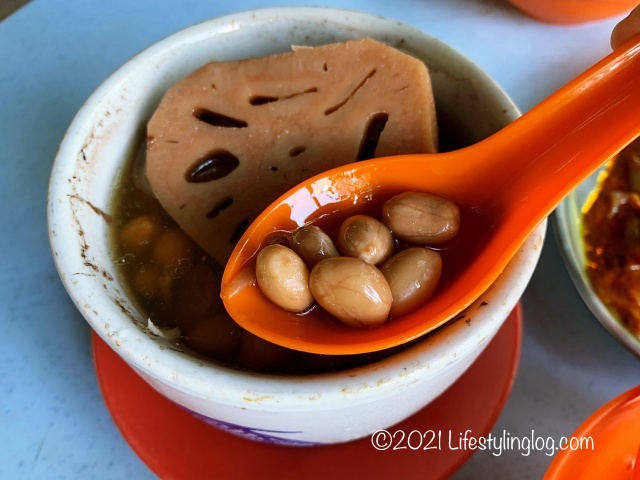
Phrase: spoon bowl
[505,185]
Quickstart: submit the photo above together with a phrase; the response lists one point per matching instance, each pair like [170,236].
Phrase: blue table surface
[53,53]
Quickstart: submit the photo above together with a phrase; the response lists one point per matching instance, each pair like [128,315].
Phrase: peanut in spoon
[506,184]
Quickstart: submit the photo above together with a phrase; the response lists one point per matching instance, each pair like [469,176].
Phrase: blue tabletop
[53,53]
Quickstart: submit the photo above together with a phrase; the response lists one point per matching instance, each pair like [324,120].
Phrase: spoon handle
[537,160]
[571,133]
[554,145]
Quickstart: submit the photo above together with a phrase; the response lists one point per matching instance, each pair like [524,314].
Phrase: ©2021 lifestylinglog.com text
[496,444]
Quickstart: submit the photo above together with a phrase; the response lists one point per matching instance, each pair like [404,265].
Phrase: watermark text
[495,443]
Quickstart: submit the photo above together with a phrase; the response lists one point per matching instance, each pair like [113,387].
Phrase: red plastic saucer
[176,445]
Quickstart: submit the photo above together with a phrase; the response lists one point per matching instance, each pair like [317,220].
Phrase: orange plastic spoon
[506,185]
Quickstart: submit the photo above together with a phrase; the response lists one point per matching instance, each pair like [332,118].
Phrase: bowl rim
[392,368]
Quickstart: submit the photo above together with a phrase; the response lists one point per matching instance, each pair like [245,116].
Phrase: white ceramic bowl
[301,410]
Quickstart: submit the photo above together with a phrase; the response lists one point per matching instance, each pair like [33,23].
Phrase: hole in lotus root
[262,100]
[295,151]
[258,100]
[217,119]
[220,206]
[216,165]
[338,106]
[371,135]
[240,229]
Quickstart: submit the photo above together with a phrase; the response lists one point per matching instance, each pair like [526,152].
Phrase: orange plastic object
[573,11]
[507,184]
[606,445]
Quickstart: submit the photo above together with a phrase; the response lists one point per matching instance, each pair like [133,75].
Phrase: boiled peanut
[149,282]
[279,239]
[259,354]
[421,218]
[352,290]
[366,238]
[413,276]
[195,294]
[138,234]
[174,250]
[313,245]
[283,278]
[215,335]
